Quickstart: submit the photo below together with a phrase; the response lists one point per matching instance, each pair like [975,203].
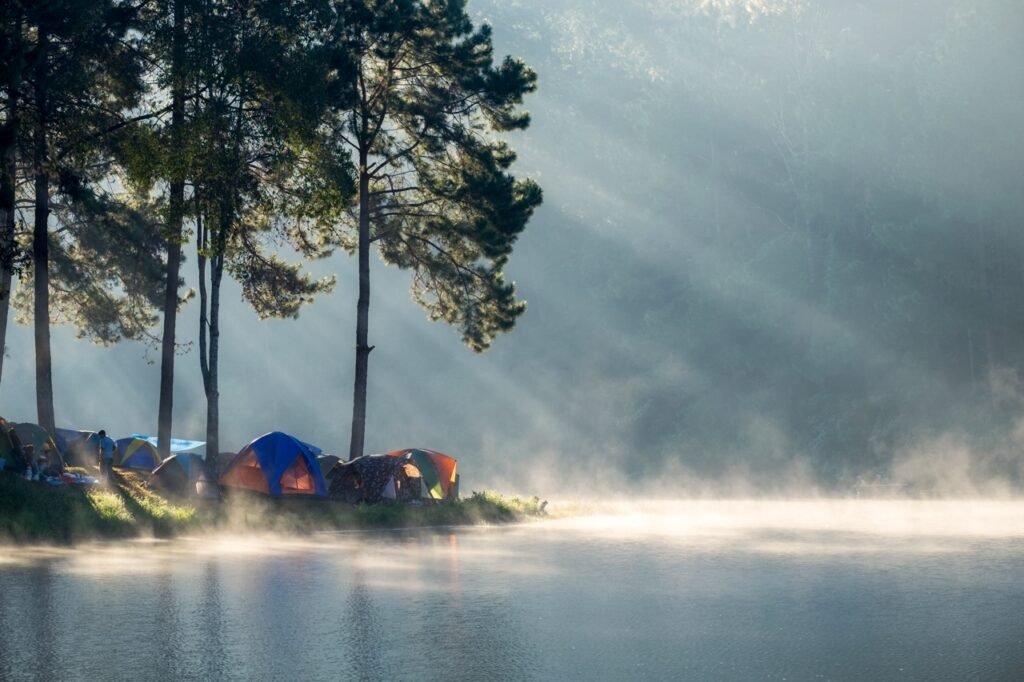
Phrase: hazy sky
[744,205]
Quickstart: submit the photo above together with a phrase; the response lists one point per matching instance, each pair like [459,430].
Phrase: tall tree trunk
[362,314]
[7,204]
[204,298]
[40,242]
[213,393]
[209,327]
[174,223]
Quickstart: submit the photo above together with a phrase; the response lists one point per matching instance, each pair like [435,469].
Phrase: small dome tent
[439,471]
[80,449]
[371,479]
[184,473]
[275,464]
[136,453]
[44,449]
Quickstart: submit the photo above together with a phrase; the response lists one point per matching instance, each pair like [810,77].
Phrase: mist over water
[846,590]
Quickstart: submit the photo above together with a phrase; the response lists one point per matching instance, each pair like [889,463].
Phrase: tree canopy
[434,189]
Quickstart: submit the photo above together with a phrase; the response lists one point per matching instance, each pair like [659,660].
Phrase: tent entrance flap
[246,473]
[297,479]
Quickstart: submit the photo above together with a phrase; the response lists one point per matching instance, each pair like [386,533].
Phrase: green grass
[37,513]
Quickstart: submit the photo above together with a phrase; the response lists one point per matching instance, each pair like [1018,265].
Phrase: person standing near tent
[106,452]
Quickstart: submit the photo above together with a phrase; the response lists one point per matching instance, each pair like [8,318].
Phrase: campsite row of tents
[280,465]
[275,464]
[25,444]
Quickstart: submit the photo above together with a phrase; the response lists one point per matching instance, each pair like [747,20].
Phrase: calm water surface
[699,591]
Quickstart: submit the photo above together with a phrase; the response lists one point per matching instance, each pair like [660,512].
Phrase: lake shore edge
[33,513]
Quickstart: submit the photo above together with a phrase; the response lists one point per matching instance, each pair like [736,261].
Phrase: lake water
[855,590]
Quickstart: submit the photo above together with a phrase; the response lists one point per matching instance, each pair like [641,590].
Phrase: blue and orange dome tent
[275,464]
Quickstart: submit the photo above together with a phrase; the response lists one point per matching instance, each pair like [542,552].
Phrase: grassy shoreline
[34,513]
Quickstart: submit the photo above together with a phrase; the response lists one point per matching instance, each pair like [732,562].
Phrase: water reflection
[363,637]
[165,651]
[208,641]
[694,591]
[42,634]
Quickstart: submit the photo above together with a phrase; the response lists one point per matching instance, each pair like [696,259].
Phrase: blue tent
[177,444]
[76,446]
[276,464]
[135,453]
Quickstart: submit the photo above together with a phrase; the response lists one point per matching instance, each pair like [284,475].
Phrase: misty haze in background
[781,242]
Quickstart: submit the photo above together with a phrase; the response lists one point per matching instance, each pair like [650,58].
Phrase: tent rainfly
[184,473]
[135,453]
[439,471]
[275,464]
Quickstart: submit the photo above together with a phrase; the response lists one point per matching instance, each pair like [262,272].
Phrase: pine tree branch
[118,126]
[394,190]
[454,261]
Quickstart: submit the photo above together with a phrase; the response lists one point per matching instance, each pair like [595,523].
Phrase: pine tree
[255,106]
[13,53]
[158,153]
[81,76]
[246,86]
[434,189]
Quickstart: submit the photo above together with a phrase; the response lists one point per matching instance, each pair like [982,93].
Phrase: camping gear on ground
[136,453]
[439,471]
[186,474]
[275,464]
[46,455]
[79,479]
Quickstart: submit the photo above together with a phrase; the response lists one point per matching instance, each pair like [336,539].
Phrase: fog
[394,560]
[780,247]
